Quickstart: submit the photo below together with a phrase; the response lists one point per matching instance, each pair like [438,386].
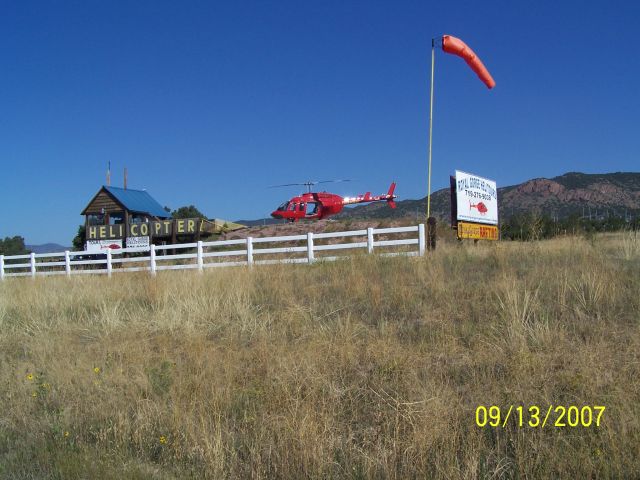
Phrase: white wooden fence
[306,248]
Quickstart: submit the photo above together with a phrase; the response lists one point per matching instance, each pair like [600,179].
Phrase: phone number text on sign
[535,417]
[477,195]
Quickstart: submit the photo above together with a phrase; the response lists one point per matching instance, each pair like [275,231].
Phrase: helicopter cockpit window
[312,208]
[292,206]
[283,207]
[301,207]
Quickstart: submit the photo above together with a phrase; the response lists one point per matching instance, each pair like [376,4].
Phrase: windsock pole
[433,62]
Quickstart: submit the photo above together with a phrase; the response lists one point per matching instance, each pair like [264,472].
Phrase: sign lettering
[161,228]
[477,231]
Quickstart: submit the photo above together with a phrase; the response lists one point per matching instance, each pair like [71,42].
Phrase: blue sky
[208,103]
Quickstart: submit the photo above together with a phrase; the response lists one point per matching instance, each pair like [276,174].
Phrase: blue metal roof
[138,201]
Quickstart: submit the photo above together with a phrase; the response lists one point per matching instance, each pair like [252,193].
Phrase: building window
[116,218]
[95,219]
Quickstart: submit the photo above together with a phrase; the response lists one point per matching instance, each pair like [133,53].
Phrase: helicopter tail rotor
[391,196]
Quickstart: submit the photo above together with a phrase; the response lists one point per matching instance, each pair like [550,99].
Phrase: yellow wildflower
[96,370]
[66,433]
[30,377]
[163,439]
[34,394]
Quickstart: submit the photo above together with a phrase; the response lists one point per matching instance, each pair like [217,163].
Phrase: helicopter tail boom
[367,197]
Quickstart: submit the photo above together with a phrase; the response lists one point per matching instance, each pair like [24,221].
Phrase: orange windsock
[457,47]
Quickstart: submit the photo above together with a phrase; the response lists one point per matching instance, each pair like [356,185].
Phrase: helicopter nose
[275,214]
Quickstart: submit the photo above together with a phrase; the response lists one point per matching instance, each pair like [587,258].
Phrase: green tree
[13,246]
[80,239]
[188,212]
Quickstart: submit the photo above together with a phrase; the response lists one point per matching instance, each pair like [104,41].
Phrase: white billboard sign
[477,198]
[101,246]
[138,242]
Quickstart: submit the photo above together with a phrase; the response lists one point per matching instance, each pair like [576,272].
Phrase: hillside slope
[598,195]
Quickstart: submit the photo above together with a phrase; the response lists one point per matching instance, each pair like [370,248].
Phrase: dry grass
[369,368]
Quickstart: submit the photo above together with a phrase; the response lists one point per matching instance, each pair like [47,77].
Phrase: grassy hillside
[368,368]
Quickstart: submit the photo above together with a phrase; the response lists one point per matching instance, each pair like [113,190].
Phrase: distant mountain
[596,195]
[47,248]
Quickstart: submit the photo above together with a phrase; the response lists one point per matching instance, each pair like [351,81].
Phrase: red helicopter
[318,205]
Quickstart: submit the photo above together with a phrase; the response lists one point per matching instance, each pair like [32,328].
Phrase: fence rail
[307,248]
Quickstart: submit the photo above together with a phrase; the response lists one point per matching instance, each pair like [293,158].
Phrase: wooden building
[115,206]
[120,217]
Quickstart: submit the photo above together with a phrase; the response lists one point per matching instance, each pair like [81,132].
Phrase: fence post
[249,251]
[109,266]
[370,240]
[421,240]
[431,233]
[310,257]
[152,259]
[1,267]
[33,265]
[67,263]
[199,256]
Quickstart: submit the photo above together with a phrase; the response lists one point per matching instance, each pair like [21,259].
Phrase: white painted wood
[17,257]
[109,265]
[288,238]
[199,260]
[176,267]
[79,254]
[310,247]
[48,255]
[284,260]
[9,266]
[33,264]
[399,254]
[228,253]
[340,246]
[330,259]
[224,264]
[222,243]
[131,269]
[351,233]
[67,263]
[182,256]
[388,243]
[395,230]
[131,250]
[262,251]
[152,259]
[249,251]
[130,260]
[51,264]
[115,257]
[90,272]
[87,262]
[176,246]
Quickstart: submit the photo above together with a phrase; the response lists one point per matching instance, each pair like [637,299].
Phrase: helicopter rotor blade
[310,183]
[335,181]
[286,185]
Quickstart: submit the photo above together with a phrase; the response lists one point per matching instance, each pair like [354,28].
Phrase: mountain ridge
[573,193]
